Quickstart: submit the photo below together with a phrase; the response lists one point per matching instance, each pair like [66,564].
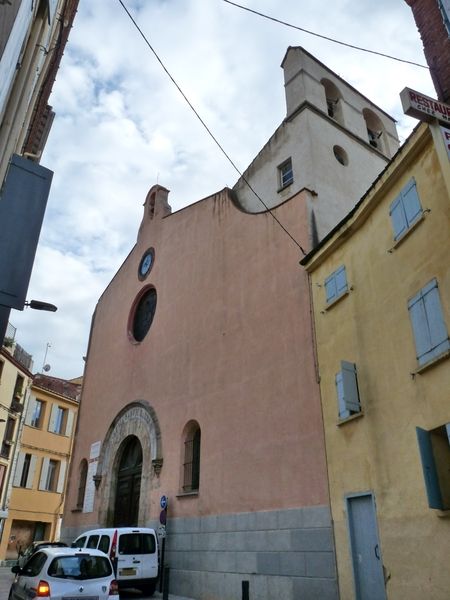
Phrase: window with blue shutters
[429,328]
[336,284]
[405,209]
[347,390]
[434,451]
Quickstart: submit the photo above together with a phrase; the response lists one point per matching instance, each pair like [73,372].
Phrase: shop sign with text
[423,107]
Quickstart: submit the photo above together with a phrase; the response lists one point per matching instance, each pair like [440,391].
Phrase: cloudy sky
[121,126]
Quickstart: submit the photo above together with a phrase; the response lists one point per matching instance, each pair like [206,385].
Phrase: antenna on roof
[45,366]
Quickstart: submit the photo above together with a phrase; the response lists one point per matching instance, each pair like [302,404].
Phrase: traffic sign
[164,502]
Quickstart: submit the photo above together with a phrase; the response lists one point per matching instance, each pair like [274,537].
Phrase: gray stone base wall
[282,554]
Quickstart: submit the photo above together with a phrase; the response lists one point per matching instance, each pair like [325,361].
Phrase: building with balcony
[33,35]
[15,380]
[38,481]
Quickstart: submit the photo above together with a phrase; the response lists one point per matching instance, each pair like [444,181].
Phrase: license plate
[127,572]
[80,598]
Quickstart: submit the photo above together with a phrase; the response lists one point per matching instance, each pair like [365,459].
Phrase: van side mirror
[15,569]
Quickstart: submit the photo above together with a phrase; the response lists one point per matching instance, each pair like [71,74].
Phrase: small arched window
[82,483]
[191,463]
[374,129]
[333,97]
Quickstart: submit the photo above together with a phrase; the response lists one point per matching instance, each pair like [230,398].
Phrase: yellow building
[37,487]
[15,380]
[380,284]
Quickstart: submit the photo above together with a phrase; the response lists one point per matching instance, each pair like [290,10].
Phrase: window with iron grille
[191,465]
[82,483]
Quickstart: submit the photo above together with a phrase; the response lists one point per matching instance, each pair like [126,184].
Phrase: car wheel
[149,588]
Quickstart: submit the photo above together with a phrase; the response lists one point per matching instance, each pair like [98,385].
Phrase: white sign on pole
[89,494]
[446,135]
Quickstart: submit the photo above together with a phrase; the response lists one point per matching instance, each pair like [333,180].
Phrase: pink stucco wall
[230,346]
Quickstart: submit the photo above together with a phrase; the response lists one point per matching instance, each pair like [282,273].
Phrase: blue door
[365,548]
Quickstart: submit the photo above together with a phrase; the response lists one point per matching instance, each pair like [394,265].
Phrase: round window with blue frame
[146,263]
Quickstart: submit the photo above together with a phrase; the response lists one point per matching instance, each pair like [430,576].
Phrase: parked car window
[79,543]
[34,565]
[80,567]
[104,543]
[136,543]
[92,541]
[148,543]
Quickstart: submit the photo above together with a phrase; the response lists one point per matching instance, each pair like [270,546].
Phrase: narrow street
[6,579]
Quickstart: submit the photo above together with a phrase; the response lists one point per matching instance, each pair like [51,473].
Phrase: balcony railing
[23,357]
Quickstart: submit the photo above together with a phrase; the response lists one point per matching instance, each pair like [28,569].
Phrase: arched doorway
[126,509]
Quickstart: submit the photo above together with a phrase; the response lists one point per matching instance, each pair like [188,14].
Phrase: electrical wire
[324,37]
[209,130]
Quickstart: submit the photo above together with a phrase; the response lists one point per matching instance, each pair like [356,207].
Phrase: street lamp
[35,304]
[39,305]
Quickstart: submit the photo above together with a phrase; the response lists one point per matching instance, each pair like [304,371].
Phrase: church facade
[201,381]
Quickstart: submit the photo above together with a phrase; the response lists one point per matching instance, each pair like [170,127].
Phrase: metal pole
[161,566]
[166,583]
[246,590]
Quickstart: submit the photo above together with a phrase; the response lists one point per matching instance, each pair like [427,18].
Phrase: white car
[65,574]
[133,552]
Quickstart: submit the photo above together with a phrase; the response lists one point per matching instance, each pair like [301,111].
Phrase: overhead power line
[324,37]
[191,106]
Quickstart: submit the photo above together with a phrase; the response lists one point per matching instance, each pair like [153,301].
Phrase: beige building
[15,380]
[32,39]
[380,284]
[37,486]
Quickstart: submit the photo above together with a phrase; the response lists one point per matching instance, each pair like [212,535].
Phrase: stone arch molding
[138,419]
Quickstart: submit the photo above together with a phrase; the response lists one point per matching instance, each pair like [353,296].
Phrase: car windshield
[81,566]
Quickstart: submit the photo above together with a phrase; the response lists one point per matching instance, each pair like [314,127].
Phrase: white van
[133,552]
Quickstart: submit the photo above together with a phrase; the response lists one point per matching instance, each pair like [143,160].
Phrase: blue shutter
[341,280]
[347,390]
[435,319]
[343,413]
[429,469]
[411,202]
[330,288]
[447,429]
[398,217]
[430,332]
[418,318]
[336,284]
[405,209]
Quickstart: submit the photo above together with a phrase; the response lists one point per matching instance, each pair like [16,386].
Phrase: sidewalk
[6,578]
